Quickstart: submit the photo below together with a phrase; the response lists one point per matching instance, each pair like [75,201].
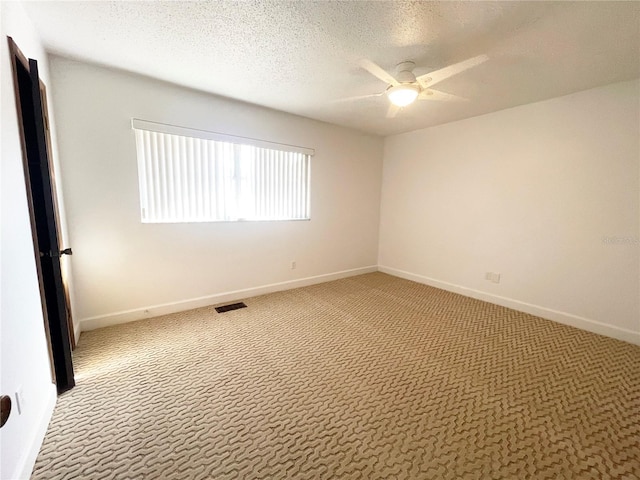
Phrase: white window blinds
[196,176]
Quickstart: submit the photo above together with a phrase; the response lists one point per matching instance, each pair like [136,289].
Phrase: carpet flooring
[370,377]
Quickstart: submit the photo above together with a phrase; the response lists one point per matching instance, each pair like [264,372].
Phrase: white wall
[530,193]
[24,357]
[122,267]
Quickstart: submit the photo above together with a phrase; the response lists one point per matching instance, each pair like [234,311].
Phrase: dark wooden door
[43,215]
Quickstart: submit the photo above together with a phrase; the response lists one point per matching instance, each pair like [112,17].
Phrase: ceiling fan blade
[431,94]
[358,97]
[438,76]
[393,110]
[378,71]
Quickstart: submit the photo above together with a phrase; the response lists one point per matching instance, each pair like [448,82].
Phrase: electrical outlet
[20,401]
[492,276]
[293,265]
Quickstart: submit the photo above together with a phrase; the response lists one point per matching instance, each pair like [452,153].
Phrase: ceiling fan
[405,87]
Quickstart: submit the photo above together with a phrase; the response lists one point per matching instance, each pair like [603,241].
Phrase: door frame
[41,200]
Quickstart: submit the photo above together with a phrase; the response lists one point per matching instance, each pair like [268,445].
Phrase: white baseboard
[100,321]
[550,314]
[28,460]
[594,326]
[76,331]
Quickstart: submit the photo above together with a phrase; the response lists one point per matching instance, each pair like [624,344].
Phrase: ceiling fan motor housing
[405,72]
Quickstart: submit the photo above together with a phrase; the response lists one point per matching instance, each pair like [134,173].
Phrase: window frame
[271,149]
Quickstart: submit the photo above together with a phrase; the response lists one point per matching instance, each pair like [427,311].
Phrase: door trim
[17,56]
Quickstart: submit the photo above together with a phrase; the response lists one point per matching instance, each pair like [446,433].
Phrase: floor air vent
[232,306]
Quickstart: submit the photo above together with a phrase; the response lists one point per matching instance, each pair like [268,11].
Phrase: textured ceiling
[301,57]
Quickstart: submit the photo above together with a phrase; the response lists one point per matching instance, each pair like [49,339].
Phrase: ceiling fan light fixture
[403,95]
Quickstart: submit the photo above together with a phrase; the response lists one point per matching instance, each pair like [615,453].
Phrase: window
[188,175]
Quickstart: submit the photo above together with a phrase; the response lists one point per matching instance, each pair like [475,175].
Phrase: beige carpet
[370,377]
